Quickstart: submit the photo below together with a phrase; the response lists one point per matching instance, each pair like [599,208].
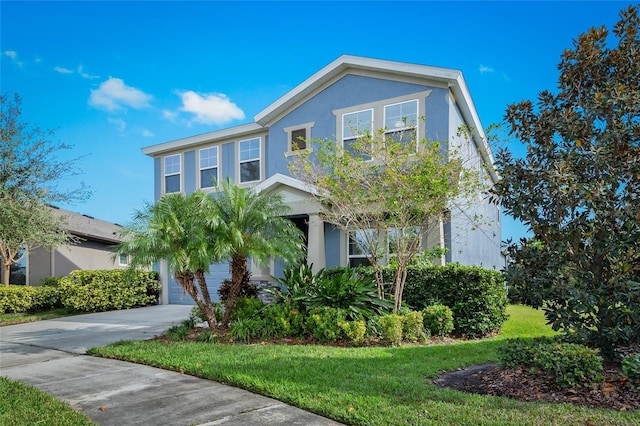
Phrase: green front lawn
[372,385]
[24,405]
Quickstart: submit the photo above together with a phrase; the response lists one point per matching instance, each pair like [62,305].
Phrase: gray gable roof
[88,227]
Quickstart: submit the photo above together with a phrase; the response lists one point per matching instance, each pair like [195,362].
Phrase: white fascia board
[231,132]
[463,98]
[356,63]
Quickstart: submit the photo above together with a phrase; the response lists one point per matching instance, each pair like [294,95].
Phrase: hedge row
[476,296]
[85,291]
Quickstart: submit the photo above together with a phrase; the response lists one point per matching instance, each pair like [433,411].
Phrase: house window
[208,167]
[401,120]
[356,125]
[249,160]
[123,260]
[297,138]
[172,173]
[359,249]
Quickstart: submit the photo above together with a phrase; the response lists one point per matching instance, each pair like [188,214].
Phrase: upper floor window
[249,154]
[356,125]
[208,167]
[401,120]
[298,138]
[172,173]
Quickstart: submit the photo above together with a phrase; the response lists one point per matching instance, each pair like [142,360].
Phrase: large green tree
[252,225]
[30,173]
[389,193]
[578,190]
[180,230]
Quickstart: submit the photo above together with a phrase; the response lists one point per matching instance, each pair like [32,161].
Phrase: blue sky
[113,77]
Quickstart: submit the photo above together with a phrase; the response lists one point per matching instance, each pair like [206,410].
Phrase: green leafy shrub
[631,370]
[569,365]
[246,307]
[276,321]
[355,331]
[413,327]
[476,295]
[325,323]
[103,290]
[296,287]
[522,352]
[50,281]
[46,297]
[391,328]
[350,290]
[438,319]
[16,298]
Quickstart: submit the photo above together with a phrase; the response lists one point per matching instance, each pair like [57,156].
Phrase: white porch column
[435,238]
[315,249]
[164,282]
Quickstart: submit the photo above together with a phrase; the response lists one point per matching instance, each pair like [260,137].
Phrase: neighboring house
[349,90]
[92,250]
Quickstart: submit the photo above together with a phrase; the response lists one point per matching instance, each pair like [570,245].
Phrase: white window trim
[217,166]
[120,260]
[259,158]
[164,173]
[289,130]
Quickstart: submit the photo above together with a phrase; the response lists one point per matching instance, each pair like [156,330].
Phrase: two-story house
[376,94]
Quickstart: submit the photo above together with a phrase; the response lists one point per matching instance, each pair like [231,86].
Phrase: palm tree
[251,224]
[181,230]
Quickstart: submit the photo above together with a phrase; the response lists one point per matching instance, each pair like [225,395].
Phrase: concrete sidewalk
[49,356]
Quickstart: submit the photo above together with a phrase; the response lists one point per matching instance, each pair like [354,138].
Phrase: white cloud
[113,94]
[485,69]
[84,74]
[13,55]
[147,134]
[63,70]
[212,108]
[169,115]
[120,124]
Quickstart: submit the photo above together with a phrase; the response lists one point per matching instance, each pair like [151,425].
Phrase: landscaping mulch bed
[517,383]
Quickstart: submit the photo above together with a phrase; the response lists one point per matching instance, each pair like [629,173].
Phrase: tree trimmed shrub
[476,296]
[16,298]
[631,369]
[438,319]
[569,365]
[104,290]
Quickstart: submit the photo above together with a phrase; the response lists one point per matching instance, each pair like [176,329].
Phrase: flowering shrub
[438,319]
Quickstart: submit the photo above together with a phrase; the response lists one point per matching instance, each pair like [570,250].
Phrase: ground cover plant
[24,405]
[370,385]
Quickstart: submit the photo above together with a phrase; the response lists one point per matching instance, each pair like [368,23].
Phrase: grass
[24,405]
[23,317]
[372,385]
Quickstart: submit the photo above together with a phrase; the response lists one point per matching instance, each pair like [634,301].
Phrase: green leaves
[578,189]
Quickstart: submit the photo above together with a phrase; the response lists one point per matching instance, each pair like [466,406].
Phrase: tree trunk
[6,273]
[186,280]
[238,270]
[207,309]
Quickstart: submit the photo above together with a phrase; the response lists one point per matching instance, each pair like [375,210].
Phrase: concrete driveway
[49,355]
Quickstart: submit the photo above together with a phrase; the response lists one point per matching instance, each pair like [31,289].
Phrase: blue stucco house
[348,89]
